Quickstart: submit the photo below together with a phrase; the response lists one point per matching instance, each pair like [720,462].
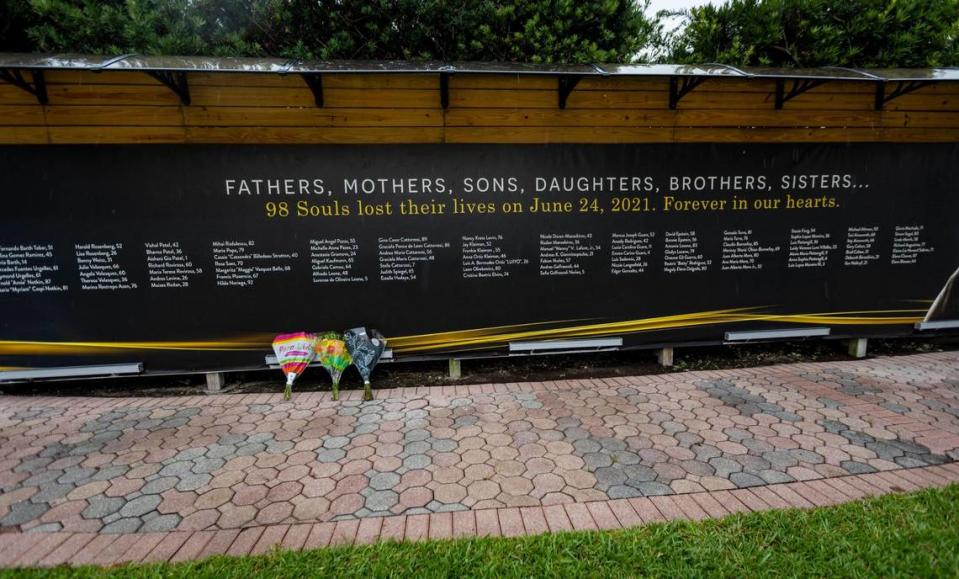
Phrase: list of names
[908,245]
[562,254]
[400,256]
[742,252]
[332,260]
[630,252]
[808,247]
[29,269]
[681,253]
[483,256]
[861,246]
[240,264]
[34,268]
[98,268]
[167,265]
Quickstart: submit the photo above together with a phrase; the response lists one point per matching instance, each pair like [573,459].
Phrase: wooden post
[455,369]
[665,356]
[857,347]
[215,381]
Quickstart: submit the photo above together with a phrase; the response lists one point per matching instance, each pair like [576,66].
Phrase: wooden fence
[132,107]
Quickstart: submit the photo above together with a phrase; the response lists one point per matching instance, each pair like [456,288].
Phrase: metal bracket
[38,88]
[743,336]
[315,82]
[678,89]
[175,81]
[902,87]
[71,372]
[799,86]
[570,345]
[566,84]
[445,90]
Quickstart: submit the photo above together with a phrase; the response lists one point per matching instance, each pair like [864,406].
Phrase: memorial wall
[190,251]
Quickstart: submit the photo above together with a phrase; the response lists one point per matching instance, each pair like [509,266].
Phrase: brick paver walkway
[107,480]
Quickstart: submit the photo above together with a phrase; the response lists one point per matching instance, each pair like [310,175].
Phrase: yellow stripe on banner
[460,339]
[492,330]
[30,347]
[485,338]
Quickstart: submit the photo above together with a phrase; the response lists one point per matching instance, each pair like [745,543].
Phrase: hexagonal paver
[310,509]
[274,513]
[483,490]
[415,497]
[232,516]
[198,521]
[140,506]
[347,504]
[475,456]
[449,493]
[379,501]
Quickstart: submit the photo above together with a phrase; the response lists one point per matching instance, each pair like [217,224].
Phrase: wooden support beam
[215,382]
[857,347]
[664,356]
[456,371]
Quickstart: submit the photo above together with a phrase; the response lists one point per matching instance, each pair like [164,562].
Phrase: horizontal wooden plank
[921,119]
[21,115]
[126,95]
[716,84]
[712,135]
[148,135]
[303,97]
[661,118]
[307,135]
[105,77]
[111,94]
[657,84]
[643,83]
[243,79]
[106,135]
[23,135]
[559,135]
[698,118]
[236,79]
[483,98]
[381,81]
[848,135]
[87,134]
[918,101]
[699,98]
[12,95]
[107,116]
[311,117]
[502,82]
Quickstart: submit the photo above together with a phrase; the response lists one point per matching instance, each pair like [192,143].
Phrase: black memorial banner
[192,257]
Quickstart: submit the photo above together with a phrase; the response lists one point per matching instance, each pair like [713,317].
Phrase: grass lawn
[913,535]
